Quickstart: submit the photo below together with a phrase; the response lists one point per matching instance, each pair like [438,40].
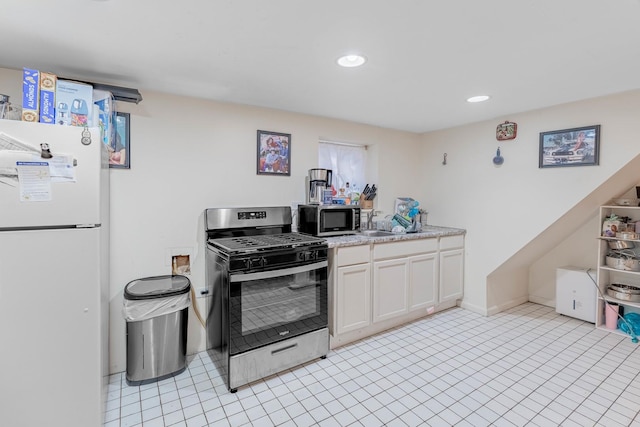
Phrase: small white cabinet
[451,281]
[352,289]
[423,276]
[398,284]
[390,289]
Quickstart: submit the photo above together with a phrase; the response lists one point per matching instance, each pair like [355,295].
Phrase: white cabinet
[380,285]
[451,280]
[352,289]
[618,272]
[390,289]
[404,276]
[423,276]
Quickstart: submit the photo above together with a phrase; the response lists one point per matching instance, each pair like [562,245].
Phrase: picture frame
[570,147]
[274,153]
[120,148]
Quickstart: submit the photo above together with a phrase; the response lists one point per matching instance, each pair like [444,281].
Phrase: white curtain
[348,163]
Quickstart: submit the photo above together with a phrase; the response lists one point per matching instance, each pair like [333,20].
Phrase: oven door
[270,306]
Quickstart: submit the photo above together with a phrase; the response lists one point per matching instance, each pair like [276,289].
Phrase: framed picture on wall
[120,145]
[570,147]
[274,153]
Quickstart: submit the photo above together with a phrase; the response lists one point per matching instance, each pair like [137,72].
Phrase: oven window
[267,310]
[336,219]
[271,302]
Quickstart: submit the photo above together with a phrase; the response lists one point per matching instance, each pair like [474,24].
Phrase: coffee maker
[317,181]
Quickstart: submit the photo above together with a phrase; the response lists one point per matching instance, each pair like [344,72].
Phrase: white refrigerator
[54,275]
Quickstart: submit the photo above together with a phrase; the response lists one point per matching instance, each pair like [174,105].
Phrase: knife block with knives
[367,196]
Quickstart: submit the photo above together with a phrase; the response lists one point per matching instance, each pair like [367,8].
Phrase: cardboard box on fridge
[30,92]
[74,103]
[48,98]
[105,115]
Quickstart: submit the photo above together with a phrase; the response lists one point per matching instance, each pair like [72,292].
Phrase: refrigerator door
[73,202]
[53,342]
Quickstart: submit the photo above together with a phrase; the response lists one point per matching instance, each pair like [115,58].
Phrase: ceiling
[425,57]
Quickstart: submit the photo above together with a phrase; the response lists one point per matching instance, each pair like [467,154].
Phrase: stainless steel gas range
[267,286]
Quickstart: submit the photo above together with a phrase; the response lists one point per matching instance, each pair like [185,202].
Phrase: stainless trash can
[156,311]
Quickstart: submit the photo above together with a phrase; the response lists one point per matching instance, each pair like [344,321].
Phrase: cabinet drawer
[404,248]
[353,255]
[451,242]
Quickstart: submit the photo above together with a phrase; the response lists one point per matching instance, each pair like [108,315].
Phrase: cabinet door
[423,278]
[451,274]
[390,289]
[353,298]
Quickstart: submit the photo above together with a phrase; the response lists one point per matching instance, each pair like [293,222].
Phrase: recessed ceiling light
[479,98]
[351,61]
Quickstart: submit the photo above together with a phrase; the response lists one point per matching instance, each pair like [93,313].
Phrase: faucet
[370,216]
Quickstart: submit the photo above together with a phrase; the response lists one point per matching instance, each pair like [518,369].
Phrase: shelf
[607,275]
[615,331]
[617,270]
[609,298]
[618,238]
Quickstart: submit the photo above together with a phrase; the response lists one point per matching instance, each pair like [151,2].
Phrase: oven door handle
[276,273]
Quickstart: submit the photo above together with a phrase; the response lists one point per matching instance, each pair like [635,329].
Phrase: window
[347,161]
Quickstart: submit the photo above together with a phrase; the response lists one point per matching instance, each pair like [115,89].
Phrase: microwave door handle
[277,273]
[354,227]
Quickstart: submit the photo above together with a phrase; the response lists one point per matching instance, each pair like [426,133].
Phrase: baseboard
[506,305]
[474,308]
[542,301]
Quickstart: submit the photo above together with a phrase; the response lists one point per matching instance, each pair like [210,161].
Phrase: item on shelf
[627,235]
[610,225]
[621,244]
[624,292]
[626,202]
[623,261]
[630,324]
[611,315]
[625,288]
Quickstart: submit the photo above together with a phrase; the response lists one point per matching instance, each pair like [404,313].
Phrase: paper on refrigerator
[12,151]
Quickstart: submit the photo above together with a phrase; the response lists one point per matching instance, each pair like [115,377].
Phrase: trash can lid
[157,287]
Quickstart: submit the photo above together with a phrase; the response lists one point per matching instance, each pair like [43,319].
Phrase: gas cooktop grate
[262,242]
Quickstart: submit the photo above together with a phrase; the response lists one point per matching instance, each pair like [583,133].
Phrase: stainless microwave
[328,220]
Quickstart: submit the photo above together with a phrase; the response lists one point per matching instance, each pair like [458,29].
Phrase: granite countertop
[429,232]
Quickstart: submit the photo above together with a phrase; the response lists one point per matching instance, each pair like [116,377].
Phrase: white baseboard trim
[507,305]
[475,308]
[542,301]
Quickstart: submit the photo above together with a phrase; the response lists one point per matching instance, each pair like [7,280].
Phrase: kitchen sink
[376,233]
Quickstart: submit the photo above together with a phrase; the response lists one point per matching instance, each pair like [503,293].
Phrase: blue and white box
[30,95]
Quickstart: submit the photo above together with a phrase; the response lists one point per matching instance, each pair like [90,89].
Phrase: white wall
[506,209]
[189,154]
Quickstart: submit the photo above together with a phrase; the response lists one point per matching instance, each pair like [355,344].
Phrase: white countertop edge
[430,232]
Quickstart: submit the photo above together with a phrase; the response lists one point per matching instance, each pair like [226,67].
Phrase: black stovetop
[241,244]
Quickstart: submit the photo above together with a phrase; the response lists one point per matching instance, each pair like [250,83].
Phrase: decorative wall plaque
[506,131]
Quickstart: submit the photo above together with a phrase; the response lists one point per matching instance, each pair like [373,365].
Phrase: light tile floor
[526,366]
